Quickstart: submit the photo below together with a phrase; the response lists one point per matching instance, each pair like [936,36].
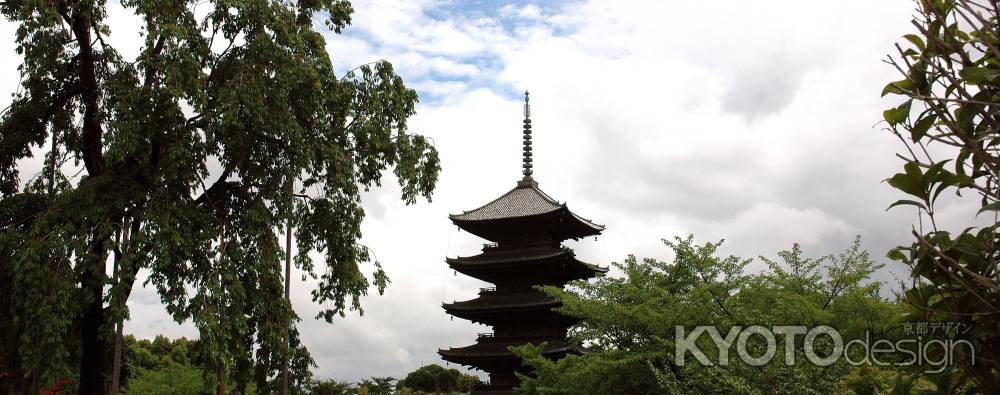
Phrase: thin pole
[117,370]
[52,166]
[288,275]
[221,387]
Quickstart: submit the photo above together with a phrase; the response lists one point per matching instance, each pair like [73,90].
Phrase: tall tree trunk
[221,388]
[94,361]
[94,358]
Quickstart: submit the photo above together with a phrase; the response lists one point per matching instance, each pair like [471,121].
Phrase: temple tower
[526,229]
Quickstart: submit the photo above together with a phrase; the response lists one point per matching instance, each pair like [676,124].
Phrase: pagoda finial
[527,141]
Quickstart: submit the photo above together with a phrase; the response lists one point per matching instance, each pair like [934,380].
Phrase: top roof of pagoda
[522,201]
[525,200]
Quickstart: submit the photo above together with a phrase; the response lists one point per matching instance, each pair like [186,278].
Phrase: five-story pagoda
[526,228]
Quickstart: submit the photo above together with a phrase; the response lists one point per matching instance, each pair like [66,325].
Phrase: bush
[435,378]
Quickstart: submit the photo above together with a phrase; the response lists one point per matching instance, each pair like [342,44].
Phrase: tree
[377,385]
[331,387]
[435,378]
[629,323]
[948,124]
[186,157]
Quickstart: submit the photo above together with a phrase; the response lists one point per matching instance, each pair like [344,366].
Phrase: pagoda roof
[494,350]
[547,261]
[493,255]
[492,301]
[525,201]
[518,271]
[522,201]
[493,308]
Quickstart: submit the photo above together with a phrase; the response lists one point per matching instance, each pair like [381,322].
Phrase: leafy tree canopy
[628,323]
[189,155]
[435,378]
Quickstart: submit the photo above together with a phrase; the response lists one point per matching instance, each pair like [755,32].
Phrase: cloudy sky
[756,122]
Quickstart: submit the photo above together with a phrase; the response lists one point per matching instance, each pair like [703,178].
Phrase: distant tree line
[179,366]
[428,379]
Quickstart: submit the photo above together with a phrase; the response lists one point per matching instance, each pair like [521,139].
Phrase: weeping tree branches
[147,132]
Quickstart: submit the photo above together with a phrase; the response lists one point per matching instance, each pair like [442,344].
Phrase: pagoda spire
[527,180]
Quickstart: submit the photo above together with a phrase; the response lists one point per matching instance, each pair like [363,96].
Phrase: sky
[754,122]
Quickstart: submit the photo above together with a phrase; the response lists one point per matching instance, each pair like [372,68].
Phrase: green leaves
[925,185]
[898,87]
[954,83]
[995,207]
[907,202]
[921,127]
[897,114]
[912,182]
[915,40]
[980,75]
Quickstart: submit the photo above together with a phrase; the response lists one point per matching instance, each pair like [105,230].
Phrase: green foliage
[628,322]
[377,386]
[153,367]
[244,84]
[865,380]
[331,387]
[9,357]
[163,366]
[37,350]
[172,378]
[604,372]
[950,90]
[435,378]
[370,386]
